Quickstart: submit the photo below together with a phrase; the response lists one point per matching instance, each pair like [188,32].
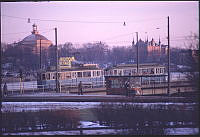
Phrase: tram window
[98,73]
[152,71]
[161,70]
[144,71]
[87,74]
[133,71]
[127,72]
[115,72]
[67,75]
[54,75]
[94,73]
[79,74]
[43,76]
[115,83]
[48,76]
[73,74]
[62,75]
[101,73]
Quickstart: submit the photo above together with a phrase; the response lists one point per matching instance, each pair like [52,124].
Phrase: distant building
[195,55]
[150,51]
[33,41]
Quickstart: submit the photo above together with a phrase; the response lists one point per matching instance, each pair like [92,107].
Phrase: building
[149,51]
[34,41]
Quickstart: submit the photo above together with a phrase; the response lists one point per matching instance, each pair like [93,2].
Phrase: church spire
[159,41]
[133,43]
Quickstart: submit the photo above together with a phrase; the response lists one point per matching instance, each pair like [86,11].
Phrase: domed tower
[34,41]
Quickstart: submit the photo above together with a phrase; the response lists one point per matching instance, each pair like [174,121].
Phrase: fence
[33,87]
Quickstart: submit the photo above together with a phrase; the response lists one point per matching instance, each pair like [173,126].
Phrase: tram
[89,75]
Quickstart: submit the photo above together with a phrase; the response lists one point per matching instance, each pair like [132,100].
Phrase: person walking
[5,89]
[126,85]
[80,88]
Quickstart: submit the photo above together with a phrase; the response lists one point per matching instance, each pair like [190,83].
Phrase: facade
[150,51]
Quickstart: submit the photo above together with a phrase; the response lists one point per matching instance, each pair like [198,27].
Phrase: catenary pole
[137,53]
[40,55]
[0,78]
[168,53]
[56,48]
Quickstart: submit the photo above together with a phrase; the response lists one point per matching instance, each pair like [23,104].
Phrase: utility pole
[40,56]
[56,61]
[137,53]
[0,75]
[168,53]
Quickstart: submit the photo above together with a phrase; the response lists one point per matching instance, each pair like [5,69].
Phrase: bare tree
[192,46]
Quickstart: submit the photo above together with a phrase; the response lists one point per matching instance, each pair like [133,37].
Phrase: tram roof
[121,66]
[75,69]
[157,75]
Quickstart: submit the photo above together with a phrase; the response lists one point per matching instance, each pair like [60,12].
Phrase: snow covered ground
[168,131]
[37,106]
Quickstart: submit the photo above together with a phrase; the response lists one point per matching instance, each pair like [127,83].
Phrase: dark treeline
[99,53]
[89,53]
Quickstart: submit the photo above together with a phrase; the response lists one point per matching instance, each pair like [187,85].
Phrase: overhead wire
[79,21]
[73,21]
[42,31]
[177,38]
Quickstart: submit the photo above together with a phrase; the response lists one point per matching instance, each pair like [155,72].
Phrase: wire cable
[78,21]
[42,31]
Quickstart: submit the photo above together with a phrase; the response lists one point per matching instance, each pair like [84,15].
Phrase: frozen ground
[37,106]
[169,131]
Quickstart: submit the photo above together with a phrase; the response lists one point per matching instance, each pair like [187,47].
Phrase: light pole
[57,86]
[40,55]
[0,73]
[168,53]
[137,53]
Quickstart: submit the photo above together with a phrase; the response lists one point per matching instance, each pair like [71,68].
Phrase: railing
[21,88]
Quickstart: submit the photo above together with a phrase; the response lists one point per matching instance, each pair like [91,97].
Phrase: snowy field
[37,106]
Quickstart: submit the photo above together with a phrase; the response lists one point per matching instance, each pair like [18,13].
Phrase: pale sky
[83,21]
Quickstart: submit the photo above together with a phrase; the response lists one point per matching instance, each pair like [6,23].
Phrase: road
[63,97]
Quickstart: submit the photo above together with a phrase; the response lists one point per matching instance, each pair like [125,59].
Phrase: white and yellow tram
[144,69]
[72,76]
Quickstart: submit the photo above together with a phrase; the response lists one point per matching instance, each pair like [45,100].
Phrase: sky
[85,21]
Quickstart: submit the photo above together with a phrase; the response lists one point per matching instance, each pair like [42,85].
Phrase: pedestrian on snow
[5,89]
[80,88]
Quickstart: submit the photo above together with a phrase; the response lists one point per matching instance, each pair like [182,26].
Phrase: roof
[34,37]
[121,66]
